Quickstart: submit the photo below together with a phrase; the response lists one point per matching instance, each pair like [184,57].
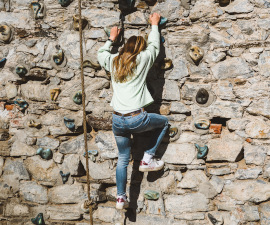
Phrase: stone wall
[39,54]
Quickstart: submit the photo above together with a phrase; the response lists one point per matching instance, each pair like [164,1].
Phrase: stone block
[231,68]
[239,6]
[46,142]
[13,172]
[218,183]
[192,179]
[66,194]
[179,70]
[44,171]
[75,145]
[179,107]
[105,141]
[101,17]
[260,107]
[64,212]
[251,173]
[255,154]
[136,18]
[179,153]
[21,149]
[203,9]
[258,128]
[15,209]
[248,190]
[247,213]
[107,214]
[72,164]
[194,202]
[32,192]
[33,90]
[226,148]
[5,191]
[98,171]
[169,9]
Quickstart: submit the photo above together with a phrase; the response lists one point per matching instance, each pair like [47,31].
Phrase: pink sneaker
[121,203]
[153,165]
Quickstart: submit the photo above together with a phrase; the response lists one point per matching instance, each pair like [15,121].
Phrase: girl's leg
[124,146]
[160,125]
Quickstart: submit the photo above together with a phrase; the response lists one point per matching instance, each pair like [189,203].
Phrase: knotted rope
[87,204]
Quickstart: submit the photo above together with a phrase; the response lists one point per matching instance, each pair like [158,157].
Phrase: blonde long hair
[125,63]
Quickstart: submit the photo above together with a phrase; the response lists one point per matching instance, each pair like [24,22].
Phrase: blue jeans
[123,127]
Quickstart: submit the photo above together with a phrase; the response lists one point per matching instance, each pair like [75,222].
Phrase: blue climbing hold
[64,176]
[163,20]
[202,151]
[2,62]
[22,104]
[69,123]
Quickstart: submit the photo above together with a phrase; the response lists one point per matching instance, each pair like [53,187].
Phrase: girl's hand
[115,31]
[154,18]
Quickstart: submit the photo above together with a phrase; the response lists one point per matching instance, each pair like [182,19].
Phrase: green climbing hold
[77,98]
[151,195]
[38,220]
[45,154]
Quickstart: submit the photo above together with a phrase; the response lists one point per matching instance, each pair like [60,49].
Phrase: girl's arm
[104,55]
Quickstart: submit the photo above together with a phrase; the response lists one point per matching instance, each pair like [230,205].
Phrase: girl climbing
[129,69]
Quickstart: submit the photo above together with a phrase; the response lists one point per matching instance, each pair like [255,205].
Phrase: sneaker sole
[121,207]
[150,170]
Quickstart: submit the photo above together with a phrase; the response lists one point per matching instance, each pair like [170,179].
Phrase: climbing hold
[76,22]
[69,123]
[54,93]
[38,220]
[92,152]
[2,62]
[162,39]
[107,31]
[5,33]
[162,21]
[21,104]
[165,64]
[151,195]
[215,221]
[91,64]
[202,151]
[173,131]
[21,70]
[196,54]
[202,124]
[202,96]
[32,123]
[37,9]
[44,153]
[64,3]
[224,2]
[77,98]
[64,176]
[58,58]
[215,128]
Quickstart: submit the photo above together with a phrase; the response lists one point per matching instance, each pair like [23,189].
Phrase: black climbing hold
[64,176]
[202,96]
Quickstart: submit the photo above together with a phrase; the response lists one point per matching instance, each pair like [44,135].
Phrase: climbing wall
[211,80]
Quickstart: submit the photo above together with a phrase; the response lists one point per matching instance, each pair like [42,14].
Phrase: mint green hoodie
[132,94]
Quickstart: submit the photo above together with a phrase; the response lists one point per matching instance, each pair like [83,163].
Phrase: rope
[89,202]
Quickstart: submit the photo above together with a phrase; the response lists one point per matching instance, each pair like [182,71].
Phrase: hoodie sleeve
[153,47]
[104,56]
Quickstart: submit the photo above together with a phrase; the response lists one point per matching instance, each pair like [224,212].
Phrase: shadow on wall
[141,142]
